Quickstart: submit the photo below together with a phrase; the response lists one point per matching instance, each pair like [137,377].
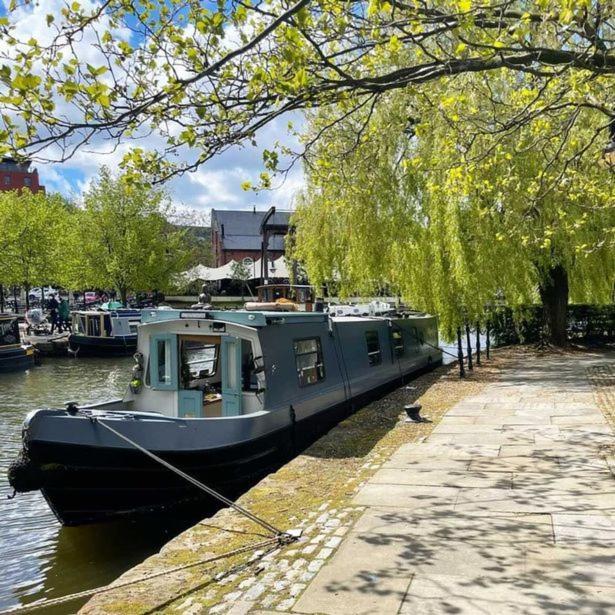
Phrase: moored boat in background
[224,396]
[14,355]
[104,332]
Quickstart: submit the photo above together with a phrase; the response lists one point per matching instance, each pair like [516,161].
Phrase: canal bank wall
[313,493]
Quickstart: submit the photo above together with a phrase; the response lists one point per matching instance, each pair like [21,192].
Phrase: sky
[216,184]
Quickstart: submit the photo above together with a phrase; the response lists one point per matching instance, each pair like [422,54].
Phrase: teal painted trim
[231,376]
[170,346]
[190,403]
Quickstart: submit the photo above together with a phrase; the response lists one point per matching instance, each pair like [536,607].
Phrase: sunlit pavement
[508,507]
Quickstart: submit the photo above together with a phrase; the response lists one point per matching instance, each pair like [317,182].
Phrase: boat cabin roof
[123,313]
[258,318]
[285,286]
[238,317]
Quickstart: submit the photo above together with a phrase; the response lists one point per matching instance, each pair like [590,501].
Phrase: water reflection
[40,558]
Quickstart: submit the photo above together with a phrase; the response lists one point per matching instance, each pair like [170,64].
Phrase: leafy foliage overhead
[204,75]
[451,216]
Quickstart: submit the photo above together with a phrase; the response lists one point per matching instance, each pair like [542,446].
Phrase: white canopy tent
[277,269]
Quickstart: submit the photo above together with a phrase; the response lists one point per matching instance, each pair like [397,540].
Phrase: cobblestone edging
[602,378]
[280,577]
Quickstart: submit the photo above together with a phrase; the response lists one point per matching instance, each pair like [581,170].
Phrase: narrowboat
[14,355]
[225,396]
[104,332]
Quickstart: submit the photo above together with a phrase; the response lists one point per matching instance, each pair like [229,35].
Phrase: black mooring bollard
[462,372]
[414,414]
[470,366]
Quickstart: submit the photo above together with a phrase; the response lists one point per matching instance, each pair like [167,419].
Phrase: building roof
[242,228]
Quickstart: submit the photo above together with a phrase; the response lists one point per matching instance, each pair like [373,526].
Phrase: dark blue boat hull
[16,359]
[125,345]
[85,484]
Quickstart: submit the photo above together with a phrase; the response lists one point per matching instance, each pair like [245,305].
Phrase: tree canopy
[452,216]
[122,238]
[204,75]
[33,230]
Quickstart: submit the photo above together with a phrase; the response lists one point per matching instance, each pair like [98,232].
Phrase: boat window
[199,360]
[107,322]
[94,326]
[164,371]
[132,325]
[249,367]
[373,347]
[9,332]
[309,361]
[398,343]
[79,324]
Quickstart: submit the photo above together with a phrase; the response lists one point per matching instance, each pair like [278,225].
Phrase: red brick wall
[15,180]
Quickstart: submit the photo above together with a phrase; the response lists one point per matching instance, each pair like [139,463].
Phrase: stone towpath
[508,507]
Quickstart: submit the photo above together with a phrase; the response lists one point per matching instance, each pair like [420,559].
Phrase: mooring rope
[423,341]
[49,602]
[240,509]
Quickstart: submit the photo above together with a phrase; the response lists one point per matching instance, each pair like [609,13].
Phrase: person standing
[64,316]
[52,306]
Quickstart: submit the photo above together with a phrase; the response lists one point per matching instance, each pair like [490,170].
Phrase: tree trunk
[554,296]
[123,296]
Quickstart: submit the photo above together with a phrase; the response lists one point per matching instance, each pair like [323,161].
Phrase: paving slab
[502,595]
[492,439]
[596,531]
[571,565]
[416,464]
[418,497]
[541,500]
[507,508]
[444,478]
[457,451]
[457,420]
[457,527]
[451,428]
[524,463]
[576,419]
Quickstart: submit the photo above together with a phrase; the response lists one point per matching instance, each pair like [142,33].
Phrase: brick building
[236,235]
[17,175]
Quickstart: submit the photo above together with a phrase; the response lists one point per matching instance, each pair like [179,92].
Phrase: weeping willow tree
[422,193]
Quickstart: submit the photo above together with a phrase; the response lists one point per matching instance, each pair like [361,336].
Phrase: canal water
[38,557]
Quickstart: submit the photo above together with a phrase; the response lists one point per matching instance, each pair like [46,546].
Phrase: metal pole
[470,366]
[462,372]
[478,343]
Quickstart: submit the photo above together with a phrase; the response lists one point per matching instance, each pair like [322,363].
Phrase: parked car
[92,297]
[34,294]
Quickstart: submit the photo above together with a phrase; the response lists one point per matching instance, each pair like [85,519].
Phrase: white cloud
[217,184]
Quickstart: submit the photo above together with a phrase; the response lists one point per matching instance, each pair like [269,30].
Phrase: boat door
[230,354]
